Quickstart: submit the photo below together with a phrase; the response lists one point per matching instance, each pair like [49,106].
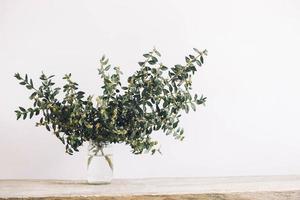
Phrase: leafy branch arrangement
[152,100]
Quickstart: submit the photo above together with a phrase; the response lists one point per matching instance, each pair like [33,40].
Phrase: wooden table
[217,188]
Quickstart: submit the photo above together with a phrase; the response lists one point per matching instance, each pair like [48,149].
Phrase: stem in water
[95,150]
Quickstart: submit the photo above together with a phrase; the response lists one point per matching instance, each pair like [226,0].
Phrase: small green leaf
[32,95]
[201,59]
[31,114]
[196,50]
[181,132]
[186,108]
[22,109]
[146,55]
[149,104]
[170,88]
[17,75]
[193,106]
[164,68]
[153,61]
[187,59]
[165,104]
[157,53]
[105,62]
[141,63]
[18,113]
[175,124]
[107,68]
[198,63]
[24,115]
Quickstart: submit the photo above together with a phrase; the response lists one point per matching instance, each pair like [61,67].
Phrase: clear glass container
[99,164]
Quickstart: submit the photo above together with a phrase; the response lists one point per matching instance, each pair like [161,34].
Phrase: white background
[250,125]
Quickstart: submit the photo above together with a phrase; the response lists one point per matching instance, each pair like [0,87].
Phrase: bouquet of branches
[152,100]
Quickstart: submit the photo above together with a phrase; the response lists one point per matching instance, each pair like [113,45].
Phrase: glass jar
[99,163]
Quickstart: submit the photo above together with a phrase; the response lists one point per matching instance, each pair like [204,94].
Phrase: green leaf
[105,62]
[186,108]
[156,52]
[170,88]
[187,59]
[193,106]
[165,104]
[181,132]
[31,114]
[80,93]
[201,59]
[32,95]
[164,68]
[43,77]
[107,68]
[165,91]
[153,70]
[153,61]
[149,104]
[198,63]
[22,109]
[146,55]
[17,75]
[175,124]
[196,50]
[18,113]
[18,116]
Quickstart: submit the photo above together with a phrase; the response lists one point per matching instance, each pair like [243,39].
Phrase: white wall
[250,125]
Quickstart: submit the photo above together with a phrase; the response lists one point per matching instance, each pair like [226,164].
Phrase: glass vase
[99,163]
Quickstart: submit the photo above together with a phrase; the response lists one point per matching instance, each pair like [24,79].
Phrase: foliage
[152,100]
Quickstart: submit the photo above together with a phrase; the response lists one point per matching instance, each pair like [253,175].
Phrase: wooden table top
[157,188]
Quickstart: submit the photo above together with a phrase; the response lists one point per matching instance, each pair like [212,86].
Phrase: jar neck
[98,145]
[98,149]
